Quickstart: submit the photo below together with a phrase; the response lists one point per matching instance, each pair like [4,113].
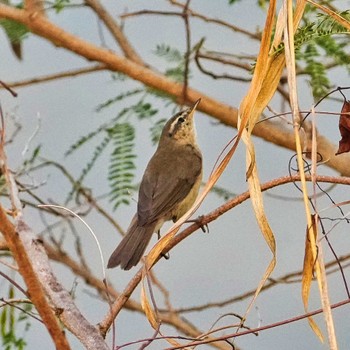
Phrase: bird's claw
[199,221]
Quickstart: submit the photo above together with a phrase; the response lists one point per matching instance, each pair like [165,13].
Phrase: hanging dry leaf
[150,313]
[344,128]
[146,306]
[308,269]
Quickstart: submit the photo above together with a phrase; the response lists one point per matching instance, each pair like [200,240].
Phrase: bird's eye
[181,120]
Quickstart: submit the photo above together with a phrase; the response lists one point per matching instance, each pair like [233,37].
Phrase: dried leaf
[147,308]
[249,113]
[308,269]
[149,311]
[344,128]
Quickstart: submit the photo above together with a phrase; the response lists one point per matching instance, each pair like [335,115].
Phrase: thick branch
[35,7]
[269,131]
[35,289]
[26,251]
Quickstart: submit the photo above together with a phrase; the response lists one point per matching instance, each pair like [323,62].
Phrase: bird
[168,189]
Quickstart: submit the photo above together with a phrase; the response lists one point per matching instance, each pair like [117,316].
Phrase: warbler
[169,187]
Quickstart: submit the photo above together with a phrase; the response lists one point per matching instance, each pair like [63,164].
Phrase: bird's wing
[160,190]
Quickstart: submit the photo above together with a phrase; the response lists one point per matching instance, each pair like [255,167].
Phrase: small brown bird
[168,188]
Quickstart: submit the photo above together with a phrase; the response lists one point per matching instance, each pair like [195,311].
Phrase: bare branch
[5,86]
[170,318]
[56,76]
[262,328]
[34,267]
[256,36]
[35,7]
[26,270]
[204,220]
[115,30]
[188,50]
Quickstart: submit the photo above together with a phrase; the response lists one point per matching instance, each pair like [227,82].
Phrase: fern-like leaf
[324,26]
[168,53]
[97,153]
[335,50]
[143,110]
[328,25]
[84,139]
[121,168]
[172,55]
[118,98]
[60,5]
[319,81]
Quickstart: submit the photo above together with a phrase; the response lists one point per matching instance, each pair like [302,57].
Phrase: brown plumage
[168,188]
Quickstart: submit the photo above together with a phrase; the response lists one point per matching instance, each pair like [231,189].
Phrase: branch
[269,131]
[115,30]
[292,277]
[35,289]
[228,61]
[218,21]
[17,240]
[262,328]
[169,318]
[35,7]
[34,267]
[56,76]
[28,251]
[125,295]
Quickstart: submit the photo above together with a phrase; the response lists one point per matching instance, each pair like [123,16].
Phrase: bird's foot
[166,256]
[199,221]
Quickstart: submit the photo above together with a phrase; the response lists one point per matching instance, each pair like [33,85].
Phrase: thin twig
[115,30]
[230,26]
[290,278]
[5,86]
[188,50]
[56,76]
[263,328]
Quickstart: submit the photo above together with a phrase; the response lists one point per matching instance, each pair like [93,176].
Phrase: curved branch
[125,295]
[169,318]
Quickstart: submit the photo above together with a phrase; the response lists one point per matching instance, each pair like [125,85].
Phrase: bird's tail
[130,250]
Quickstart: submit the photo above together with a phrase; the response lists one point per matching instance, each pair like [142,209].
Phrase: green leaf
[96,154]
[120,174]
[169,53]
[33,157]
[10,318]
[15,31]
[118,98]
[88,167]
[144,110]
[316,70]
[60,5]
[222,192]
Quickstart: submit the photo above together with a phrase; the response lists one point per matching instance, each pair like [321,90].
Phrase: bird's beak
[193,108]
